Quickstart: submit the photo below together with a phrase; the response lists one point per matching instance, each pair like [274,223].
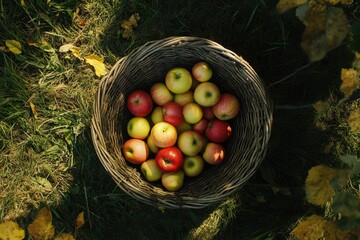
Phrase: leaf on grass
[41,228]
[33,110]
[31,43]
[76,52]
[354,120]
[326,29]
[80,221]
[321,107]
[64,236]
[320,183]
[350,81]
[11,230]
[13,46]
[317,227]
[42,184]
[284,5]
[66,47]
[128,25]
[98,64]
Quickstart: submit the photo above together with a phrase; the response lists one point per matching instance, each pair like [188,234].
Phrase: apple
[139,103]
[173,181]
[200,126]
[184,98]
[164,134]
[218,130]
[201,71]
[138,127]
[150,142]
[184,126]
[157,115]
[173,113]
[178,80]
[194,84]
[206,94]
[160,94]
[169,159]
[193,165]
[227,107]
[192,113]
[208,113]
[214,153]
[135,151]
[150,170]
[190,142]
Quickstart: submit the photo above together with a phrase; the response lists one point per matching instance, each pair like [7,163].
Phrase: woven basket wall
[148,64]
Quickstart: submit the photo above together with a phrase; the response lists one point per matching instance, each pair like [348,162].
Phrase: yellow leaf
[76,52]
[317,227]
[354,120]
[22,2]
[350,81]
[129,24]
[80,221]
[13,46]
[66,47]
[64,236]
[318,184]
[284,5]
[31,43]
[41,228]
[321,107]
[98,64]
[11,230]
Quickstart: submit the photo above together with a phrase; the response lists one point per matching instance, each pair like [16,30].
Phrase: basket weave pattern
[148,64]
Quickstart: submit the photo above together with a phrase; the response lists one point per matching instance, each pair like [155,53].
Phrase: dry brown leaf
[64,236]
[31,43]
[128,25]
[13,46]
[350,81]
[321,107]
[354,120]
[98,64]
[80,221]
[41,228]
[11,230]
[284,5]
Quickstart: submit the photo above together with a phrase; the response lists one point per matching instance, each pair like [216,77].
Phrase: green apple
[157,115]
[192,113]
[184,98]
[173,181]
[178,80]
[150,142]
[164,134]
[138,127]
[206,94]
[151,171]
[190,142]
[193,165]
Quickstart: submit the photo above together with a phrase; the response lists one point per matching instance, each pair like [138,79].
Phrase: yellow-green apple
[172,113]
[157,115]
[169,159]
[135,151]
[164,134]
[214,153]
[192,112]
[173,181]
[184,126]
[150,170]
[201,71]
[208,113]
[207,94]
[200,126]
[193,165]
[138,127]
[218,130]
[160,94]
[150,142]
[190,142]
[227,107]
[139,103]
[178,80]
[184,98]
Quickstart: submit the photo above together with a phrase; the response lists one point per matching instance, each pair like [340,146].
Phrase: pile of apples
[179,125]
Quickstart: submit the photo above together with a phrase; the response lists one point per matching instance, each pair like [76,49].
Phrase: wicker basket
[148,64]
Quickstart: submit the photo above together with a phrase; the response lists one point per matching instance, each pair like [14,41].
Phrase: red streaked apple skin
[227,107]
[169,159]
[173,181]
[208,113]
[139,103]
[200,126]
[214,153]
[160,94]
[173,113]
[201,71]
[218,130]
[135,151]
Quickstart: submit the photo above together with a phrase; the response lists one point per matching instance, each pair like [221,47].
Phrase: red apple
[200,126]
[218,130]
[208,113]
[214,153]
[160,94]
[169,159]
[190,142]
[201,71]
[173,113]
[206,94]
[139,103]
[163,134]
[227,107]
[135,151]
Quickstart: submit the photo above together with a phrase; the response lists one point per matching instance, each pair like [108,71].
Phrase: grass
[46,152]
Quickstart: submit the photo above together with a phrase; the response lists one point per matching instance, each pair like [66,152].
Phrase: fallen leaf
[66,47]
[11,230]
[320,182]
[317,227]
[354,120]
[98,64]
[42,184]
[41,228]
[31,43]
[64,236]
[13,46]
[76,52]
[22,2]
[128,25]
[350,81]
[321,107]
[80,221]
[284,5]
